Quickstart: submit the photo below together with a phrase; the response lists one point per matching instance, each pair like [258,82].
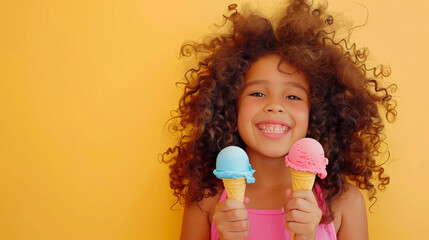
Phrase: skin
[280,100]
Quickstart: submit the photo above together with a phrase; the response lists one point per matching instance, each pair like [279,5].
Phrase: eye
[257,94]
[293,97]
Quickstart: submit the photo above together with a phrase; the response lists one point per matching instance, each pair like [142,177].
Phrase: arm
[195,224]
[354,223]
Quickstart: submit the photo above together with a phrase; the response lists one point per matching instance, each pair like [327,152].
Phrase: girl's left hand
[302,214]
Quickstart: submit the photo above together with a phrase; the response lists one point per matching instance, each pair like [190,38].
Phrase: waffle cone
[235,188]
[302,180]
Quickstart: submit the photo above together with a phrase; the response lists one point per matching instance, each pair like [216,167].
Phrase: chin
[274,153]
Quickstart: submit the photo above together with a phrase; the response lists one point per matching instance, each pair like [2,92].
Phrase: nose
[274,107]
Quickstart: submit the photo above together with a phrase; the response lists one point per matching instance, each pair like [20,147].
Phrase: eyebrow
[261,81]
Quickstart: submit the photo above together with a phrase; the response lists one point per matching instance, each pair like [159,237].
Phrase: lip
[273,135]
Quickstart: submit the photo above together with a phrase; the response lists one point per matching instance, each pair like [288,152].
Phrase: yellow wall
[87,85]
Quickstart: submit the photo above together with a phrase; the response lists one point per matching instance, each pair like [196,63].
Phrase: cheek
[241,127]
[300,111]
[246,112]
[246,109]
[301,115]
[242,118]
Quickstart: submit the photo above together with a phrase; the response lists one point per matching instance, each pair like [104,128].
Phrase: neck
[271,173]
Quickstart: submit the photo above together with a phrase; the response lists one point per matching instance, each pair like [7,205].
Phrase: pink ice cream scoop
[307,155]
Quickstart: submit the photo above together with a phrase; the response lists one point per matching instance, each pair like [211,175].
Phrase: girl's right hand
[230,218]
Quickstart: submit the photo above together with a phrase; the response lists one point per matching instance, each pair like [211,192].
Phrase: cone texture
[302,180]
[235,188]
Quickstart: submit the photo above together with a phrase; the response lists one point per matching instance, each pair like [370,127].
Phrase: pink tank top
[269,224]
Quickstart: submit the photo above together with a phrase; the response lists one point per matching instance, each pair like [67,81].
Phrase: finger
[235,215]
[303,200]
[299,228]
[301,205]
[237,226]
[234,230]
[246,200]
[300,217]
[230,204]
[304,194]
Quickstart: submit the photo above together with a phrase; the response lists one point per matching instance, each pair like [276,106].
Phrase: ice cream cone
[301,180]
[305,159]
[235,188]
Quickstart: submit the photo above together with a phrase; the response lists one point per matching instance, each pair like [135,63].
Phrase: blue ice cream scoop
[233,162]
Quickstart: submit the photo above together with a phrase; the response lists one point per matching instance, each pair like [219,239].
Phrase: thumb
[288,193]
[246,200]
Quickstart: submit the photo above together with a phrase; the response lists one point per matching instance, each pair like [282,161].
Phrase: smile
[273,130]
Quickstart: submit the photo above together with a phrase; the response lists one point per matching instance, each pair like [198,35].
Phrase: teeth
[272,128]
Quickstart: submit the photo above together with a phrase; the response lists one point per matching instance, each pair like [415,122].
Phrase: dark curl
[348,101]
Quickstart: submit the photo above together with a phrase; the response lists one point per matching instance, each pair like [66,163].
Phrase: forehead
[271,68]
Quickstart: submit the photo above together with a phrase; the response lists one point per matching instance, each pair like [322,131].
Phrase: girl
[262,88]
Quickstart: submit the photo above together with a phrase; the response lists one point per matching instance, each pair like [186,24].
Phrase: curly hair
[347,100]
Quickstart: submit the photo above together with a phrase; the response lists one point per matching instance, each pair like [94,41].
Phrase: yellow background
[86,87]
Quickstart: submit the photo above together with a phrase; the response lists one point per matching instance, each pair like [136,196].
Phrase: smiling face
[274,107]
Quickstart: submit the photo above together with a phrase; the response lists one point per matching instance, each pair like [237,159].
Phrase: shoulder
[351,197]
[350,218]
[197,217]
